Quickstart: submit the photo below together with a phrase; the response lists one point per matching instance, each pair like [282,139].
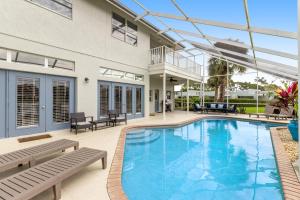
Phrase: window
[3,54]
[34,59]
[61,99]
[124,30]
[138,100]
[28,102]
[120,74]
[62,7]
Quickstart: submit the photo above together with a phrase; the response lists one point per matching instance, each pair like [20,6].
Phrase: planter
[293,128]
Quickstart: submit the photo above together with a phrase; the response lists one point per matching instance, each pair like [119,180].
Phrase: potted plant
[290,96]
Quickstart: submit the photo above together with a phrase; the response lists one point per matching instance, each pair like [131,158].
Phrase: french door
[38,103]
[3,110]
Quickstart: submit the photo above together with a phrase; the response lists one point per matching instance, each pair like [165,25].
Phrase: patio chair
[196,107]
[117,117]
[27,184]
[79,121]
[32,154]
[269,110]
[232,109]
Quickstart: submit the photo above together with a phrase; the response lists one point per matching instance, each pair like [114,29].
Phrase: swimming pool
[207,159]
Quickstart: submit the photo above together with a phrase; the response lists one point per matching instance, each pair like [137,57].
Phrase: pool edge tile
[290,185]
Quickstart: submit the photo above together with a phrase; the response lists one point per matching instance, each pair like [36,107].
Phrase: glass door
[60,102]
[156,100]
[104,99]
[2,104]
[139,99]
[26,103]
[118,98]
[129,102]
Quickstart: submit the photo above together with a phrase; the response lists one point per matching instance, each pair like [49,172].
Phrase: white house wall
[85,39]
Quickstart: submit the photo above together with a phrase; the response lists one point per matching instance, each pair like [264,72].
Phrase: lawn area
[253,109]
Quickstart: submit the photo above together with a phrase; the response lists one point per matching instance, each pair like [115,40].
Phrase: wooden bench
[31,154]
[33,181]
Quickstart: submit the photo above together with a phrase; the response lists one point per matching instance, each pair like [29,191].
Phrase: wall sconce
[86,80]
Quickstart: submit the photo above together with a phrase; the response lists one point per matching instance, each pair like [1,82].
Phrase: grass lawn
[253,109]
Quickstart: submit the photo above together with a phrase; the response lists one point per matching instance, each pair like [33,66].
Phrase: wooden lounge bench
[31,154]
[33,181]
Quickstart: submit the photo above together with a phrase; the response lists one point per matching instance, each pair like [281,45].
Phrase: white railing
[164,54]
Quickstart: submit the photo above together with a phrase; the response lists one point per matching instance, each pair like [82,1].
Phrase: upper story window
[108,72]
[62,7]
[124,30]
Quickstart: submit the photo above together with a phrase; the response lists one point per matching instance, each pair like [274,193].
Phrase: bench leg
[31,163]
[76,147]
[57,191]
[104,162]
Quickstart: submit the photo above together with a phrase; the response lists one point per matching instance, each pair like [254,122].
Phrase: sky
[273,14]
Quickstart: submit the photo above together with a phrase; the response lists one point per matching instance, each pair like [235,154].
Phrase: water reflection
[210,159]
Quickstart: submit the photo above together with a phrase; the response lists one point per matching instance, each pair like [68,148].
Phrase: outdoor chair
[232,109]
[117,117]
[196,107]
[79,121]
[32,154]
[269,110]
[27,184]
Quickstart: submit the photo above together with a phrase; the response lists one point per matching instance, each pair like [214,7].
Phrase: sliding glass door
[122,98]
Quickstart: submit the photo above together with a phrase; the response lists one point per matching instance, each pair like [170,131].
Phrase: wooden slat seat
[33,181]
[31,154]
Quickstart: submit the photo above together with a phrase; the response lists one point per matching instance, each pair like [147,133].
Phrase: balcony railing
[163,54]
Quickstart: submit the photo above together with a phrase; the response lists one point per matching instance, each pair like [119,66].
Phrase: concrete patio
[90,183]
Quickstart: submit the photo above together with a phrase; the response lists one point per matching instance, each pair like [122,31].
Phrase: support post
[187,94]
[298,10]
[227,84]
[256,90]
[164,95]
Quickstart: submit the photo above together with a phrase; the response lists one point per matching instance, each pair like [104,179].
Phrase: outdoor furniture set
[215,107]
[80,121]
[30,182]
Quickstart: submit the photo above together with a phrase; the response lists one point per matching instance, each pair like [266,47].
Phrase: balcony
[164,58]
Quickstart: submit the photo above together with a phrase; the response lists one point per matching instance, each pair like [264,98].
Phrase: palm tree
[217,69]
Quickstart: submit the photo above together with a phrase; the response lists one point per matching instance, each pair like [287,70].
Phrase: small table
[107,122]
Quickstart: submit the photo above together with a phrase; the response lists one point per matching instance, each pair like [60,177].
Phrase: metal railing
[164,54]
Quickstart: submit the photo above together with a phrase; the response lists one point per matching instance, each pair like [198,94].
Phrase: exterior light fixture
[86,80]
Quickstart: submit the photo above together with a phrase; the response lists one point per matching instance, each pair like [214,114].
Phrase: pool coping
[289,180]
[290,183]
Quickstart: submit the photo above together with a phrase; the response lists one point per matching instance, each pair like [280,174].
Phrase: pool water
[208,159]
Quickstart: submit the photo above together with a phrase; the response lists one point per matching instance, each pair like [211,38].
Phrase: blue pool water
[208,159]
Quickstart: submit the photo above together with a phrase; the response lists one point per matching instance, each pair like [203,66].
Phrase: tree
[217,69]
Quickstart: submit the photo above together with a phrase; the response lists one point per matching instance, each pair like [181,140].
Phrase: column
[298,74]
[187,94]
[164,95]
[227,84]
[256,90]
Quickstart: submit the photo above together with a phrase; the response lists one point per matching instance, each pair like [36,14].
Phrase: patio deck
[90,183]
